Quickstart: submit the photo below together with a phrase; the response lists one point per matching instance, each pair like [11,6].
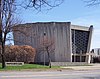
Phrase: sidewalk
[92,67]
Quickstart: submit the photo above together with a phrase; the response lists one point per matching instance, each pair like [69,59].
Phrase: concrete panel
[58,32]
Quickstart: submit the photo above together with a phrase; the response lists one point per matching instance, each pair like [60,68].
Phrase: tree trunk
[3,61]
[48,57]
[1,40]
[3,55]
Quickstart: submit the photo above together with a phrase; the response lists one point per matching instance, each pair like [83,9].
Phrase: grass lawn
[27,66]
[33,67]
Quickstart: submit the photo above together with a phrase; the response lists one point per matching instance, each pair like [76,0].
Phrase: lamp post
[44,45]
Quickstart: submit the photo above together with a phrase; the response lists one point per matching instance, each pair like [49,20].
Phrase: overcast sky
[74,11]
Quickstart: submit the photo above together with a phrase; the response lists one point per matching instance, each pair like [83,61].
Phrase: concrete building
[68,43]
[96,52]
[95,58]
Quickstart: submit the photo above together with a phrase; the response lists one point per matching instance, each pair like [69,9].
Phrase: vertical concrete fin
[69,41]
[90,37]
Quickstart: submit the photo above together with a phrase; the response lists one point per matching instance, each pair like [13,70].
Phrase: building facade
[67,42]
[96,52]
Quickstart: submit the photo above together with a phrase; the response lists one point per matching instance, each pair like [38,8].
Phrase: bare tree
[39,4]
[47,44]
[92,2]
[7,10]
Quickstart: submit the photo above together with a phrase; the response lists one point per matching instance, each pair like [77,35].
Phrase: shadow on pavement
[91,78]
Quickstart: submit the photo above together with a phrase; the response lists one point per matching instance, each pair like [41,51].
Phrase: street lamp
[44,45]
[44,33]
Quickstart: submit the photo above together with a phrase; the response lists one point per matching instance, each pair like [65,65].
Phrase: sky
[75,11]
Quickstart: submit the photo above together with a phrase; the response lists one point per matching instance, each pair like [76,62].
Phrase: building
[70,43]
[95,58]
[96,52]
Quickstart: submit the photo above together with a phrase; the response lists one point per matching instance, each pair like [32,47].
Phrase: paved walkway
[92,66]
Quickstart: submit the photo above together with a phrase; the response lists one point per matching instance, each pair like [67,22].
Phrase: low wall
[14,63]
[68,63]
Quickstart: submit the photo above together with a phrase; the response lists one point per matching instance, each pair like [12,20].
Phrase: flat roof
[77,27]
